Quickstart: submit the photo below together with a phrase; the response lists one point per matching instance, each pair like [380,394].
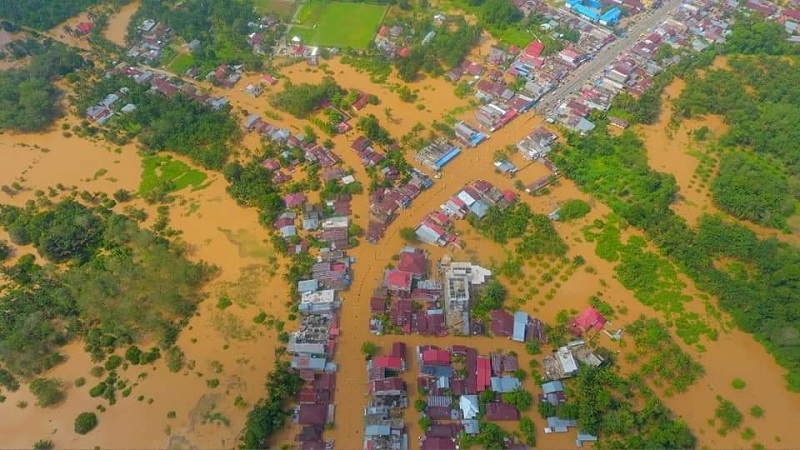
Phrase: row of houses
[102,111]
[167,86]
[152,38]
[384,426]
[312,347]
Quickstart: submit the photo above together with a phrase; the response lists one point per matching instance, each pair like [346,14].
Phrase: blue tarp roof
[447,157]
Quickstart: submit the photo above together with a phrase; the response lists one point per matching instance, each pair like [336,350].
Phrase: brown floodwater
[118,23]
[215,229]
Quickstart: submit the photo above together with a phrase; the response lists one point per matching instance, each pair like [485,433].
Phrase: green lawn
[161,169]
[181,63]
[338,24]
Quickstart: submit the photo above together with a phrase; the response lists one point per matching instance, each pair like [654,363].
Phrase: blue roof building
[520,326]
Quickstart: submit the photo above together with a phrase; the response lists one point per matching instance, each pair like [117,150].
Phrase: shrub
[369,349]
[48,391]
[212,383]
[573,209]
[80,382]
[757,411]
[133,354]
[175,359]
[729,415]
[97,371]
[85,422]
[43,444]
[223,302]
[113,362]
[738,383]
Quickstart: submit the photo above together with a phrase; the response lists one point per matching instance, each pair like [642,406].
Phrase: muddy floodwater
[118,23]
[228,346]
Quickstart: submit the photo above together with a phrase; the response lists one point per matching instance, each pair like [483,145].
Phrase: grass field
[338,24]
[181,63]
[160,169]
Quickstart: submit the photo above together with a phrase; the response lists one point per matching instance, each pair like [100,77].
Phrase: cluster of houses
[474,199]
[153,37]
[788,14]
[385,203]
[257,40]
[384,426]
[394,41]
[455,381]
[695,25]
[562,364]
[102,111]
[312,151]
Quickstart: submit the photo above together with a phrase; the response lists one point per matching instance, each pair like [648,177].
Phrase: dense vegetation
[446,50]
[28,95]
[538,236]
[42,14]
[602,406]
[177,123]
[120,285]
[269,415]
[749,188]
[302,99]
[752,35]
[221,26]
[761,300]
[251,185]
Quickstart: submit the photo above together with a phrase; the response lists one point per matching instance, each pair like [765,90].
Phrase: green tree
[85,422]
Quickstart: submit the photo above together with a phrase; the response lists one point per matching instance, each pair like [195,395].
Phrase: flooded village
[386,288]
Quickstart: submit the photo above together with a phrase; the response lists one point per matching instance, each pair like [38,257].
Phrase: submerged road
[606,54]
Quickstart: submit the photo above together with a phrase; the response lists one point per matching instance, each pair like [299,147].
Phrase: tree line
[43,14]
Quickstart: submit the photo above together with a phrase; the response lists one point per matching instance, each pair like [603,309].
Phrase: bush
[738,383]
[573,209]
[408,234]
[85,422]
[729,415]
[42,444]
[175,359]
[757,411]
[133,354]
[80,382]
[48,391]
[369,349]
[113,362]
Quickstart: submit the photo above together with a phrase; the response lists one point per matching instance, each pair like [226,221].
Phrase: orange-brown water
[218,231]
[118,23]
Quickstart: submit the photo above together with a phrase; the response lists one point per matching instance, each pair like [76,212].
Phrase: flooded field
[677,152]
[227,345]
[118,23]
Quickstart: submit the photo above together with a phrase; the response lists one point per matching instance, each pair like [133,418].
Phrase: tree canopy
[300,100]
[28,95]
[42,14]
[121,285]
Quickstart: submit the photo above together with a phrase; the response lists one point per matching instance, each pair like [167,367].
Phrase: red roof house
[377,305]
[414,262]
[501,323]
[588,319]
[436,357]
[397,280]
[534,49]
[84,27]
[388,362]
[295,199]
[399,350]
[315,414]
[271,164]
[484,373]
[269,79]
[501,411]
[404,52]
